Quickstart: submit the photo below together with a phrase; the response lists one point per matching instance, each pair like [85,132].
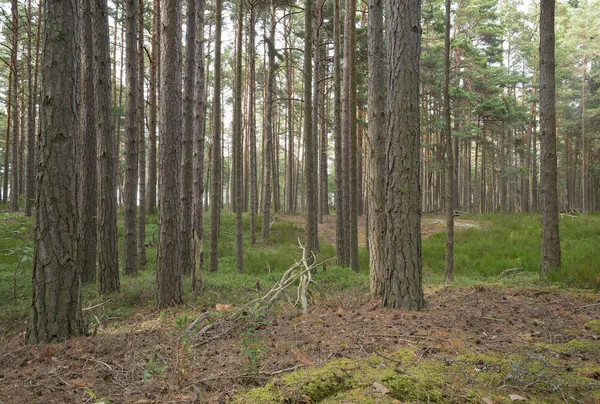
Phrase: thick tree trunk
[350,78]
[186,176]
[168,270]
[108,260]
[550,256]
[376,158]
[402,275]
[340,224]
[130,258]
[56,304]
[86,154]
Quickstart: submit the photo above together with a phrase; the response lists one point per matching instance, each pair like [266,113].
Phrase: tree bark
[108,260]
[31,108]
[130,258]
[238,153]
[449,264]
[376,158]
[340,246]
[168,270]
[199,140]
[402,280]
[14,182]
[350,78]
[141,231]
[154,69]
[252,124]
[56,303]
[550,255]
[86,155]
[186,259]
[269,132]
[216,185]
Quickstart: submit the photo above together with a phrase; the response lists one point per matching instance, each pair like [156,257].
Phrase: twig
[509,271]
[586,306]
[280,371]
[96,305]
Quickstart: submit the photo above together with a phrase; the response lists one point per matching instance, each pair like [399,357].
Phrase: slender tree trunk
[108,260]
[252,124]
[584,185]
[14,183]
[269,133]
[350,78]
[550,256]
[56,302]
[215,191]
[154,68]
[199,140]
[87,170]
[168,270]
[7,170]
[238,153]
[402,280]
[141,234]
[376,159]
[449,265]
[291,160]
[186,262]
[312,241]
[31,107]
[340,229]
[130,258]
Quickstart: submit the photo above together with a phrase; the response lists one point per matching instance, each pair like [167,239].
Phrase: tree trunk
[215,191]
[108,260]
[56,303]
[252,125]
[31,108]
[238,153]
[186,262]
[269,132]
[86,154]
[376,159]
[550,256]
[199,140]
[350,79]
[402,275]
[168,270]
[154,68]
[449,264]
[130,258]
[141,233]
[340,227]
[6,169]
[14,183]
[312,241]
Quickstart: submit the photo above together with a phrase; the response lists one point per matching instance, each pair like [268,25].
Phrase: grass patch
[513,241]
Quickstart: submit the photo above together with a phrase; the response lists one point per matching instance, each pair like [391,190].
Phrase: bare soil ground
[111,365]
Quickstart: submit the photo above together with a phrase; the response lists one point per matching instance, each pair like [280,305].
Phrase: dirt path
[114,364]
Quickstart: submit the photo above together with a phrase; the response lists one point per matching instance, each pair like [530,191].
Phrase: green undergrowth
[407,377]
[509,241]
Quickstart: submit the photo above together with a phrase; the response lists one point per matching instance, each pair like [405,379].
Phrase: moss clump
[593,326]
[575,346]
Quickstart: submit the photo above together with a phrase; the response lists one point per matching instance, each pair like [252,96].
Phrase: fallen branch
[510,271]
[96,305]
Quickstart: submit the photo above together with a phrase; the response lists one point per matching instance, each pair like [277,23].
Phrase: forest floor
[484,343]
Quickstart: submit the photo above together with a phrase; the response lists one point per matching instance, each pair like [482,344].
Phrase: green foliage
[253,349]
[503,242]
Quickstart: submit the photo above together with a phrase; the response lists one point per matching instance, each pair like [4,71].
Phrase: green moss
[593,326]
[575,346]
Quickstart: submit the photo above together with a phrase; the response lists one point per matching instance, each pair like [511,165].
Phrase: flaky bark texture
[376,169]
[130,258]
[56,308]
[108,259]
[402,280]
[168,271]
[86,155]
[187,146]
[550,259]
